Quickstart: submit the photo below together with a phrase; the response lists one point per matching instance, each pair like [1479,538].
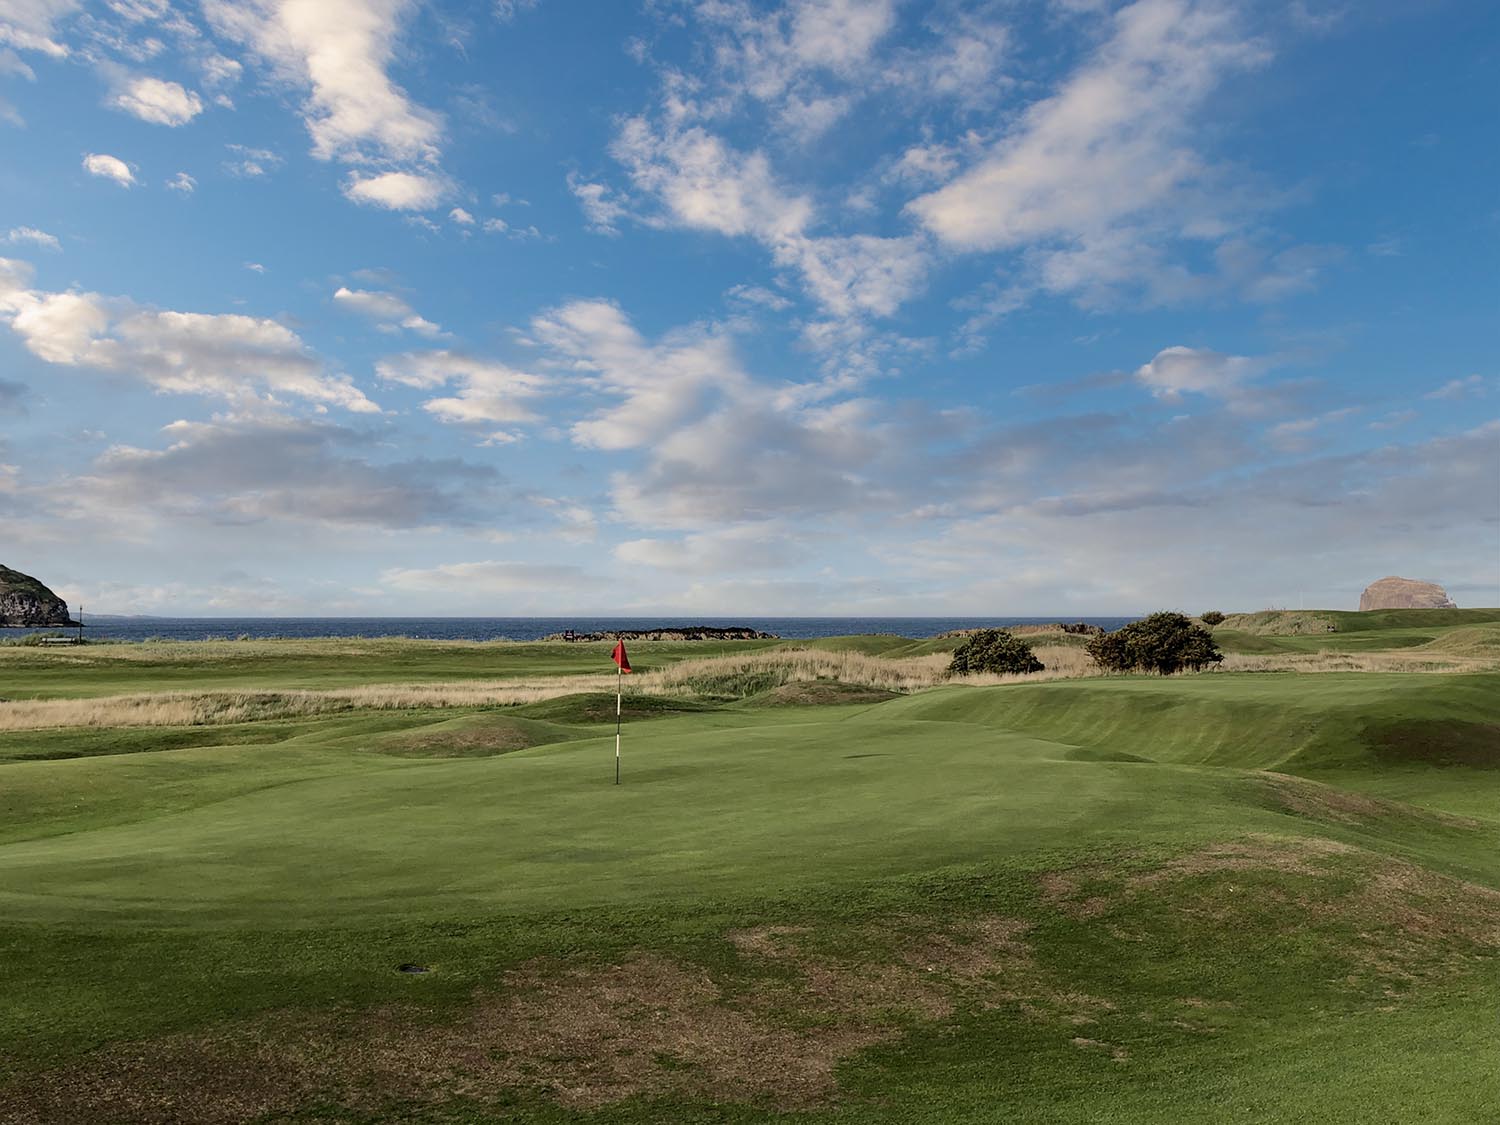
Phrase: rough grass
[726,677]
[769,1015]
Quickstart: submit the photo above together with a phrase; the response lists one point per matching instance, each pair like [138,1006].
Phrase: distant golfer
[622,662]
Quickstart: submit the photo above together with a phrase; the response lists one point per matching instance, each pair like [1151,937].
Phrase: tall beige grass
[722,676]
[685,678]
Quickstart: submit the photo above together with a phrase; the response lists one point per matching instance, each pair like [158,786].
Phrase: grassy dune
[1232,896]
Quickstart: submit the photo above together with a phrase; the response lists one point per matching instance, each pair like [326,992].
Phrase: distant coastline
[106,627]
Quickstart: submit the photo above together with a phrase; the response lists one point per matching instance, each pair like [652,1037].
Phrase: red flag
[619,657]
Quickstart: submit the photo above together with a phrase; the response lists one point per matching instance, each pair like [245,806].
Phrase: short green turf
[168,880]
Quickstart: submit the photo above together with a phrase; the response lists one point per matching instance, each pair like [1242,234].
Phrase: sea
[525,628]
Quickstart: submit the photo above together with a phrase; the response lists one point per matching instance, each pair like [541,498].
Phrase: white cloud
[1178,370]
[858,274]
[462,217]
[1095,179]
[182,182]
[255,267]
[661,384]
[158,101]
[706,185]
[398,191]
[736,549]
[488,392]
[228,356]
[600,207]
[784,57]
[340,52]
[1472,386]
[36,237]
[109,168]
[1109,144]
[12,66]
[247,470]
[926,163]
[250,163]
[30,25]
[392,311]
[489,578]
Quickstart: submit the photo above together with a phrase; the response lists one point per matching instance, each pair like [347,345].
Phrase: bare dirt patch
[582,1034]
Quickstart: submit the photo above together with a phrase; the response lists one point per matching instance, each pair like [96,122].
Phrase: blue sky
[731,308]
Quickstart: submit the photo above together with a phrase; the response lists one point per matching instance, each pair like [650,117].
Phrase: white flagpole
[619,689]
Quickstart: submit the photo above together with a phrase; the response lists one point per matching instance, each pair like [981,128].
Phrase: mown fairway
[1227,897]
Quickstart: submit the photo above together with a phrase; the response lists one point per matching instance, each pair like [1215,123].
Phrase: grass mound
[820,693]
[472,736]
[1437,742]
[599,707]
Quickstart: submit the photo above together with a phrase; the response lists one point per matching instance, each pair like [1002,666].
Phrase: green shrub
[1212,617]
[993,650]
[1163,643]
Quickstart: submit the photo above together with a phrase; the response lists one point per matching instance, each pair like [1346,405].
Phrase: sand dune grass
[724,678]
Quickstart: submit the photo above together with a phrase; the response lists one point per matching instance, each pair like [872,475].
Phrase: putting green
[760,808]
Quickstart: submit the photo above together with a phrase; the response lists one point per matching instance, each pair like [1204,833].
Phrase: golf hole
[409,967]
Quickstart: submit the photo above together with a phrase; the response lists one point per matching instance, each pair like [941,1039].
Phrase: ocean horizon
[114,628]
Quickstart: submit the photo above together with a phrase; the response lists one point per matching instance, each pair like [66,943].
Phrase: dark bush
[993,650]
[1212,617]
[1163,643]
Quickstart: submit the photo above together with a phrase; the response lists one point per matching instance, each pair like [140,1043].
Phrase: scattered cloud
[249,163]
[227,356]
[487,392]
[391,311]
[183,183]
[1471,386]
[36,237]
[601,207]
[462,217]
[158,101]
[109,168]
[397,191]
[340,53]
[30,25]
[477,582]
[250,470]
[1176,371]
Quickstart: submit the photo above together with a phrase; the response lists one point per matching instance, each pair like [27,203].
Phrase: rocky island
[1404,593]
[25,603]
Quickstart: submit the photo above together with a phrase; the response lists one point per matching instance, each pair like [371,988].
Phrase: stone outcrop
[26,603]
[688,633]
[1404,593]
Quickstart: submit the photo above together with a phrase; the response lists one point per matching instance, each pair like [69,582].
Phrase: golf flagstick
[622,665]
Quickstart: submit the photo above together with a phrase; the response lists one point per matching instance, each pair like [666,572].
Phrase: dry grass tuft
[718,676]
[1400,925]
